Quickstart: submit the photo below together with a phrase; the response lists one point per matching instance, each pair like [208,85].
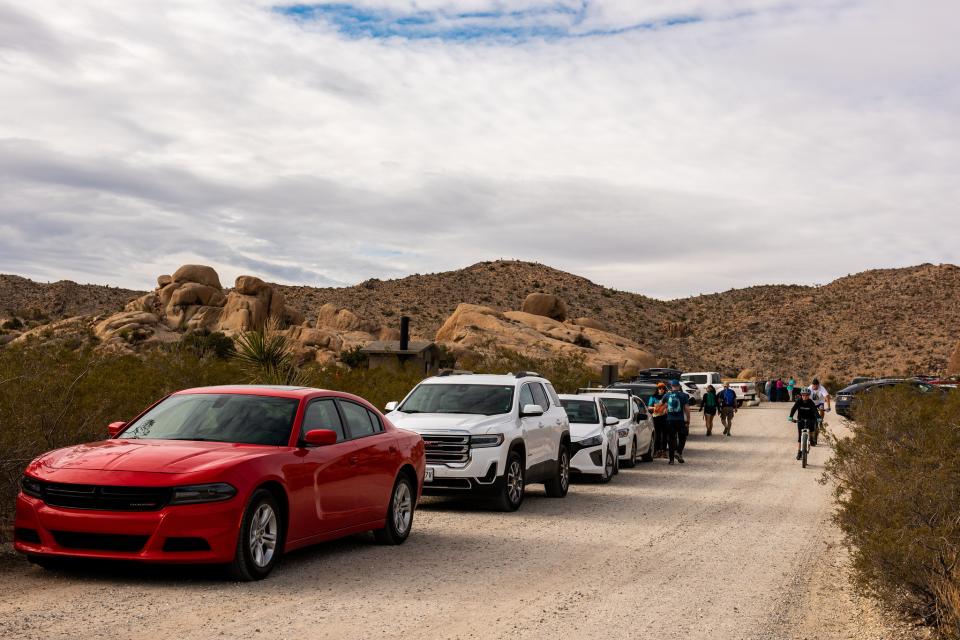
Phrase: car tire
[399,513]
[739,403]
[616,461]
[512,487]
[260,526]
[631,460]
[607,474]
[558,486]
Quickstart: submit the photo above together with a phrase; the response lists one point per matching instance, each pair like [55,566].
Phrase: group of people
[779,390]
[671,413]
[671,416]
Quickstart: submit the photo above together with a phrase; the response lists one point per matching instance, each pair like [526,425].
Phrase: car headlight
[488,440]
[31,487]
[591,442]
[623,432]
[197,493]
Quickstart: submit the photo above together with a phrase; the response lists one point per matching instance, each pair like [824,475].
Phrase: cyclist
[807,413]
[820,397]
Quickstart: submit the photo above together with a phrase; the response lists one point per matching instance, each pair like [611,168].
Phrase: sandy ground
[736,543]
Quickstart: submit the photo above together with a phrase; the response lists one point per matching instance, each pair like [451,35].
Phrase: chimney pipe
[404,333]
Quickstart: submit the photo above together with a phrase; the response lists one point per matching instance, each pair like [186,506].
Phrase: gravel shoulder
[737,543]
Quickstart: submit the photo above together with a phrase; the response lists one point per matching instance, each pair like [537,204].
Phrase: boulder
[545,304]
[107,328]
[165,293]
[321,338]
[675,329]
[747,374]
[277,305]
[143,303]
[243,312]
[293,317]
[590,323]
[192,293]
[205,318]
[250,285]
[163,281]
[198,273]
[343,320]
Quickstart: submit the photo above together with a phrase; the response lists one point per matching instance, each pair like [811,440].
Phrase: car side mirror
[320,437]
[531,410]
[611,421]
[115,428]
[392,406]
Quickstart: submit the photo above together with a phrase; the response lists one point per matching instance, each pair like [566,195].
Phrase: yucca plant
[266,356]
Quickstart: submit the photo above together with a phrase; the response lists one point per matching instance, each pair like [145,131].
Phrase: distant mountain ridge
[885,321]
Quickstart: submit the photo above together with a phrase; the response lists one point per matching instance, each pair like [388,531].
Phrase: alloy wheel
[263,535]
[564,469]
[515,482]
[402,508]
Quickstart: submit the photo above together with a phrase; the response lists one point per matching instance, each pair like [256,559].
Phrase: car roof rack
[527,374]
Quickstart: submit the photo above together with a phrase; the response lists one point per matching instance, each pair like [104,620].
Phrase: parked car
[235,475]
[635,428]
[657,374]
[695,384]
[846,399]
[640,390]
[593,436]
[490,435]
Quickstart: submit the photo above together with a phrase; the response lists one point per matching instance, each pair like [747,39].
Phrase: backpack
[673,403]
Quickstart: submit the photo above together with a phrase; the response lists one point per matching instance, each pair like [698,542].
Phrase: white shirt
[820,395]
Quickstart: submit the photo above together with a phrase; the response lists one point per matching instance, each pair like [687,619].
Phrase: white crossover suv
[489,435]
[593,437]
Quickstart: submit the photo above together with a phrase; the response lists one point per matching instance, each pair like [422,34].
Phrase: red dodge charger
[233,475]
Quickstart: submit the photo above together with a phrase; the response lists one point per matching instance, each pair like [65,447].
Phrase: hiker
[659,411]
[768,390]
[678,420]
[779,391]
[791,384]
[709,405]
[728,407]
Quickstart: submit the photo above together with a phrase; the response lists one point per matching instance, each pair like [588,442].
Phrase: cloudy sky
[668,148]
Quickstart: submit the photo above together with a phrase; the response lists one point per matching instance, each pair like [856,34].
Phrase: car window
[375,421]
[540,396]
[322,414]
[581,411]
[553,394]
[526,396]
[697,379]
[358,419]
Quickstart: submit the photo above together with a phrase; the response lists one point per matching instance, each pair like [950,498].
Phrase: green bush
[898,490]
[354,357]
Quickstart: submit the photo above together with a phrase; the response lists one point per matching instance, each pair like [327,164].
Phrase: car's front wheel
[258,545]
[558,485]
[631,460]
[512,486]
[399,514]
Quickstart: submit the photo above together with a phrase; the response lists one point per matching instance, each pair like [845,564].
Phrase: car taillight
[743,388]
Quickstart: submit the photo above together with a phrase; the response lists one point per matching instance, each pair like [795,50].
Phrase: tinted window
[539,396]
[218,417]
[581,411]
[526,396]
[322,414]
[375,421]
[480,399]
[617,407]
[358,419]
[697,379]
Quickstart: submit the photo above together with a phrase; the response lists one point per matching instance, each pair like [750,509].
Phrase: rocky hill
[883,321]
[29,299]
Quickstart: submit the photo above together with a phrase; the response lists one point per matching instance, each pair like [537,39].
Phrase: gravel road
[734,544]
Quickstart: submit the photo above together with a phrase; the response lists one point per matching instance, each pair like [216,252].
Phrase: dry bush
[898,490]
[567,373]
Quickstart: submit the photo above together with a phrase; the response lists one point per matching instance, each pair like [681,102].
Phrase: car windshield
[581,411]
[218,417]
[480,399]
[619,408]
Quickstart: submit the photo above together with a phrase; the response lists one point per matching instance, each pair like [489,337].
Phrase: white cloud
[766,143]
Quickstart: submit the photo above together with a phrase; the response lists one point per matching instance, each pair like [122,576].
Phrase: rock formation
[953,368]
[473,327]
[545,304]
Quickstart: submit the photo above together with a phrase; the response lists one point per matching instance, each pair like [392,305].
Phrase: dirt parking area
[736,543]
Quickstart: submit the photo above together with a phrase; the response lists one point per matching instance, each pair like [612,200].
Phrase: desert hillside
[881,321]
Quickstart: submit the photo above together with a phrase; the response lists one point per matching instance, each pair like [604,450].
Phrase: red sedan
[234,475]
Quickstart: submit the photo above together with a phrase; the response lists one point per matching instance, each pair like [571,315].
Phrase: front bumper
[588,461]
[209,530]
[479,473]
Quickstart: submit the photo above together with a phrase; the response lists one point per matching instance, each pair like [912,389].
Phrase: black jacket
[805,410]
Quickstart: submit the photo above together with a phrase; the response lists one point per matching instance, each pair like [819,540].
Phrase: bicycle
[804,440]
[815,435]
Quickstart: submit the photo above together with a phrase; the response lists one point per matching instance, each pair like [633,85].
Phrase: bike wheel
[804,448]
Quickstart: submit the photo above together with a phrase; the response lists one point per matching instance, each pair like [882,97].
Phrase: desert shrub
[13,324]
[207,345]
[581,340]
[266,355]
[566,372]
[898,490]
[354,357]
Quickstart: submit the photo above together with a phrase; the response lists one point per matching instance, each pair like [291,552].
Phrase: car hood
[156,456]
[444,422]
[579,431]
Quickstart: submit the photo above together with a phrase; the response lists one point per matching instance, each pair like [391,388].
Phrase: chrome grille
[442,449]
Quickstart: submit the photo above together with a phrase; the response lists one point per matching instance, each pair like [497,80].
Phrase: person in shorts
[709,405]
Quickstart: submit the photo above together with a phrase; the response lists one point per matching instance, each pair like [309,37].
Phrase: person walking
[779,390]
[791,384]
[728,406]
[709,405]
[659,411]
[678,420]
[768,390]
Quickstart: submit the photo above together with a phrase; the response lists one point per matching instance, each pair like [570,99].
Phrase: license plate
[428,475]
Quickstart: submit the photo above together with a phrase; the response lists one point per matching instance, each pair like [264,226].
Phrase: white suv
[489,434]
